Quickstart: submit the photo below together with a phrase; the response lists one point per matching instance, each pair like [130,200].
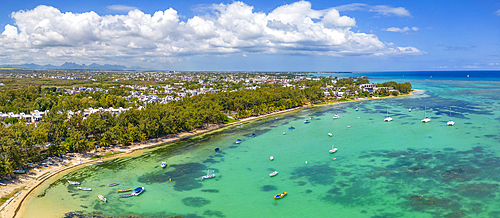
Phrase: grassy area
[5,198]
[229,120]
[107,154]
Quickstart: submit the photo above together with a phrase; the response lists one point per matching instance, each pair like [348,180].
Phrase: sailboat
[333,150]
[451,123]
[336,116]
[208,176]
[426,119]
[387,118]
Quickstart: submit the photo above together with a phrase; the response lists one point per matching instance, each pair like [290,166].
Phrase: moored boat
[291,127]
[238,141]
[138,191]
[336,116]
[102,198]
[307,121]
[329,134]
[113,184]
[426,119]
[333,150]
[284,133]
[273,174]
[125,190]
[208,176]
[1,183]
[84,189]
[19,171]
[271,158]
[125,195]
[163,164]
[73,182]
[280,195]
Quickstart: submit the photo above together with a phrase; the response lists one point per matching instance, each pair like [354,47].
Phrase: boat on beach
[280,195]
[125,195]
[84,189]
[73,182]
[102,198]
[113,184]
[273,174]
[138,191]
[19,171]
[208,176]
[125,190]
[163,164]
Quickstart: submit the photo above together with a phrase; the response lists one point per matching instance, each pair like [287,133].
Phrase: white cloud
[401,30]
[379,9]
[121,8]
[46,35]
[497,12]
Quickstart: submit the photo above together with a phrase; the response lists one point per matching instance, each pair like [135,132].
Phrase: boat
[138,191]
[271,158]
[273,174]
[409,109]
[73,182]
[451,123]
[333,150]
[3,184]
[113,184]
[387,118]
[356,108]
[307,121]
[216,149]
[336,116]
[284,133]
[291,127]
[125,190]
[84,189]
[19,171]
[102,198]
[329,134]
[311,118]
[253,134]
[99,161]
[163,164]
[125,195]
[88,165]
[238,141]
[280,195]
[467,75]
[208,176]
[426,119]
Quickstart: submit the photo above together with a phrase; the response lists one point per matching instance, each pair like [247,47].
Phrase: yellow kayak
[125,190]
[280,195]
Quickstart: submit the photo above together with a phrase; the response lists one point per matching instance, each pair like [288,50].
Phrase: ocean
[402,168]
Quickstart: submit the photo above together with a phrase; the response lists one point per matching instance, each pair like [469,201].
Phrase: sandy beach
[23,184]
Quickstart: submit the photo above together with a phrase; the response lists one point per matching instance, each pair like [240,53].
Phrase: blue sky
[255,35]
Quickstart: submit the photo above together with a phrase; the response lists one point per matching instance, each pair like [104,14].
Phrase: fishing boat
[208,176]
[102,198]
[451,123]
[84,189]
[113,184]
[125,195]
[336,116]
[273,174]
[238,141]
[280,195]
[426,119]
[333,150]
[387,118]
[73,182]
[329,134]
[138,191]
[307,121]
[125,190]
[163,164]
[271,158]
[291,127]
[19,171]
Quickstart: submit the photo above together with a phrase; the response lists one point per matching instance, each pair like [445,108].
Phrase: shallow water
[399,169]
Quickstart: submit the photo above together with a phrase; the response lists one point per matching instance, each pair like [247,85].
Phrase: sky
[255,35]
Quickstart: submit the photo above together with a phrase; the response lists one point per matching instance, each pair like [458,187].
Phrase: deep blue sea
[424,75]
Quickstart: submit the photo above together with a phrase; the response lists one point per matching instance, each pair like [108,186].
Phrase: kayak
[280,195]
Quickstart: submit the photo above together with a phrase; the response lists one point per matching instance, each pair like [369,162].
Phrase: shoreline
[26,183]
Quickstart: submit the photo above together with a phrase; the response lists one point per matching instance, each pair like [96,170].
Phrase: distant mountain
[73,66]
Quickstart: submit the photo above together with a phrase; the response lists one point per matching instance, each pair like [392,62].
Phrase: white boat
[88,165]
[336,116]
[271,158]
[451,123]
[307,121]
[102,198]
[19,171]
[138,191]
[73,182]
[387,118]
[238,141]
[37,170]
[208,176]
[333,150]
[356,108]
[84,189]
[99,161]
[284,133]
[163,164]
[409,109]
[273,174]
[1,183]
[329,134]
[426,119]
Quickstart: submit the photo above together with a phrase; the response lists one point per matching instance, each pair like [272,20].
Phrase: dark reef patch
[268,188]
[210,190]
[214,213]
[317,174]
[195,201]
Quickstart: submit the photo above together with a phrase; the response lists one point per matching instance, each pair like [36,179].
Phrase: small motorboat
[253,134]
[336,116]
[99,161]
[271,158]
[73,182]
[280,195]
[125,195]
[409,109]
[163,164]
[113,184]
[333,150]
[329,134]
[273,174]
[84,189]
[284,133]
[19,171]
[312,118]
[125,190]
[208,176]
[307,121]
[356,109]
[238,141]
[426,119]
[291,127]
[88,165]
[216,149]
[451,122]
[138,191]
[102,198]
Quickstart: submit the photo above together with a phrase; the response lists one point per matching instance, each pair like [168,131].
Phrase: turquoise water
[399,169]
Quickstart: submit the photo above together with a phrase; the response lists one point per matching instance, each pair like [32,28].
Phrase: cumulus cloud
[121,8]
[45,34]
[401,30]
[384,10]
